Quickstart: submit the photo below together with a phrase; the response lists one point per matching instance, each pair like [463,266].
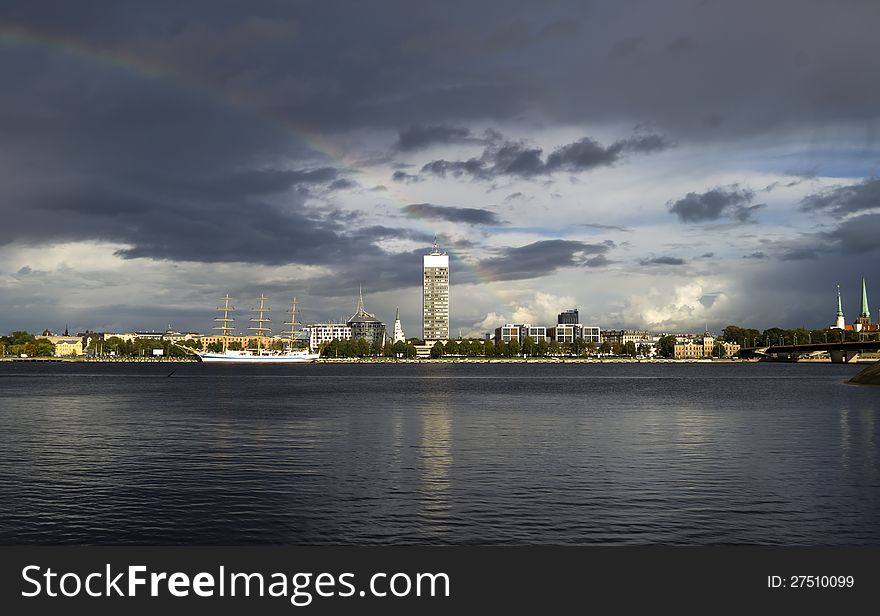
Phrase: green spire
[865,311]
[839,304]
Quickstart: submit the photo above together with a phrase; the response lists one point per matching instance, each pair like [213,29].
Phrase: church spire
[866,312]
[840,322]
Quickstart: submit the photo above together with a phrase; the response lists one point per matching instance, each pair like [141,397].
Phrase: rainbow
[240,102]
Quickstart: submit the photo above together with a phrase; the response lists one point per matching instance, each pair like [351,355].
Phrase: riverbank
[443,360]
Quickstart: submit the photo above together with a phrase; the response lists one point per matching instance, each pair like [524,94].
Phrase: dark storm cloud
[841,201]
[543,258]
[729,202]
[755,255]
[467,215]
[517,159]
[418,137]
[662,261]
[857,236]
[394,63]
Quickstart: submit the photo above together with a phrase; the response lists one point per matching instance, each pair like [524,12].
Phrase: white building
[320,333]
[435,295]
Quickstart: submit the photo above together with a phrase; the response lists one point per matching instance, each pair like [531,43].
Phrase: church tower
[840,323]
[865,313]
[398,335]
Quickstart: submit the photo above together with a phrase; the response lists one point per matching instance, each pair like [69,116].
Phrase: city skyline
[642,165]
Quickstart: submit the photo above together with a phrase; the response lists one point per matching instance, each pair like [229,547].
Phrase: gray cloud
[730,202]
[844,200]
[467,215]
[404,177]
[543,258]
[419,137]
[662,261]
[508,158]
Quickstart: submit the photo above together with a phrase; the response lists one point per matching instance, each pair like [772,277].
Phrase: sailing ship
[260,354]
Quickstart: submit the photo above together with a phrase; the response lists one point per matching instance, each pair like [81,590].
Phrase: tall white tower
[398,335]
[840,323]
[435,295]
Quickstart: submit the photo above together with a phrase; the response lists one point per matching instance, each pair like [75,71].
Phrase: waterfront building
[590,333]
[564,333]
[65,346]
[696,348]
[435,295]
[507,332]
[622,336]
[536,332]
[173,336]
[319,333]
[367,326]
[244,341]
[398,335]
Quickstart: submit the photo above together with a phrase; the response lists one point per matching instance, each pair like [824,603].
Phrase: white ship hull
[250,357]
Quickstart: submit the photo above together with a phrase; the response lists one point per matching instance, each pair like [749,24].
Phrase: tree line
[22,343]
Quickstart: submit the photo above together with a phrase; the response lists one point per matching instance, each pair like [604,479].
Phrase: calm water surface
[426,454]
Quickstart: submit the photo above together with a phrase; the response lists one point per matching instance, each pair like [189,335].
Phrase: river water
[438,454]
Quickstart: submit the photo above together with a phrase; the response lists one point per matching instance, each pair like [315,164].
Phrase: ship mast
[259,320]
[225,320]
[292,322]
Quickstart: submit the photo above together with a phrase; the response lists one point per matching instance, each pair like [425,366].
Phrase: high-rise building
[435,295]
[568,317]
[398,335]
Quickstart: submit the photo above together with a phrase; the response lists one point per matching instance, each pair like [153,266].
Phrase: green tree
[489,349]
[501,349]
[543,348]
[437,350]
[578,347]
[362,348]
[451,348]
[43,348]
[215,347]
[666,346]
[554,348]
[513,348]
[629,349]
[528,346]
[409,351]
[605,348]
[399,348]
[719,350]
[235,345]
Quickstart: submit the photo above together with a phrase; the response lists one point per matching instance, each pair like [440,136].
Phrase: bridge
[840,352]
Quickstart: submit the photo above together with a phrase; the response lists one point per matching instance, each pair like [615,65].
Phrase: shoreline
[461,360]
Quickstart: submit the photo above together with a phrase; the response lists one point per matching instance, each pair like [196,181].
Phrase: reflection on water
[486,453]
[436,450]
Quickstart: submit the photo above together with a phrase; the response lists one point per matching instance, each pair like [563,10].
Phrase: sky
[664,166]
